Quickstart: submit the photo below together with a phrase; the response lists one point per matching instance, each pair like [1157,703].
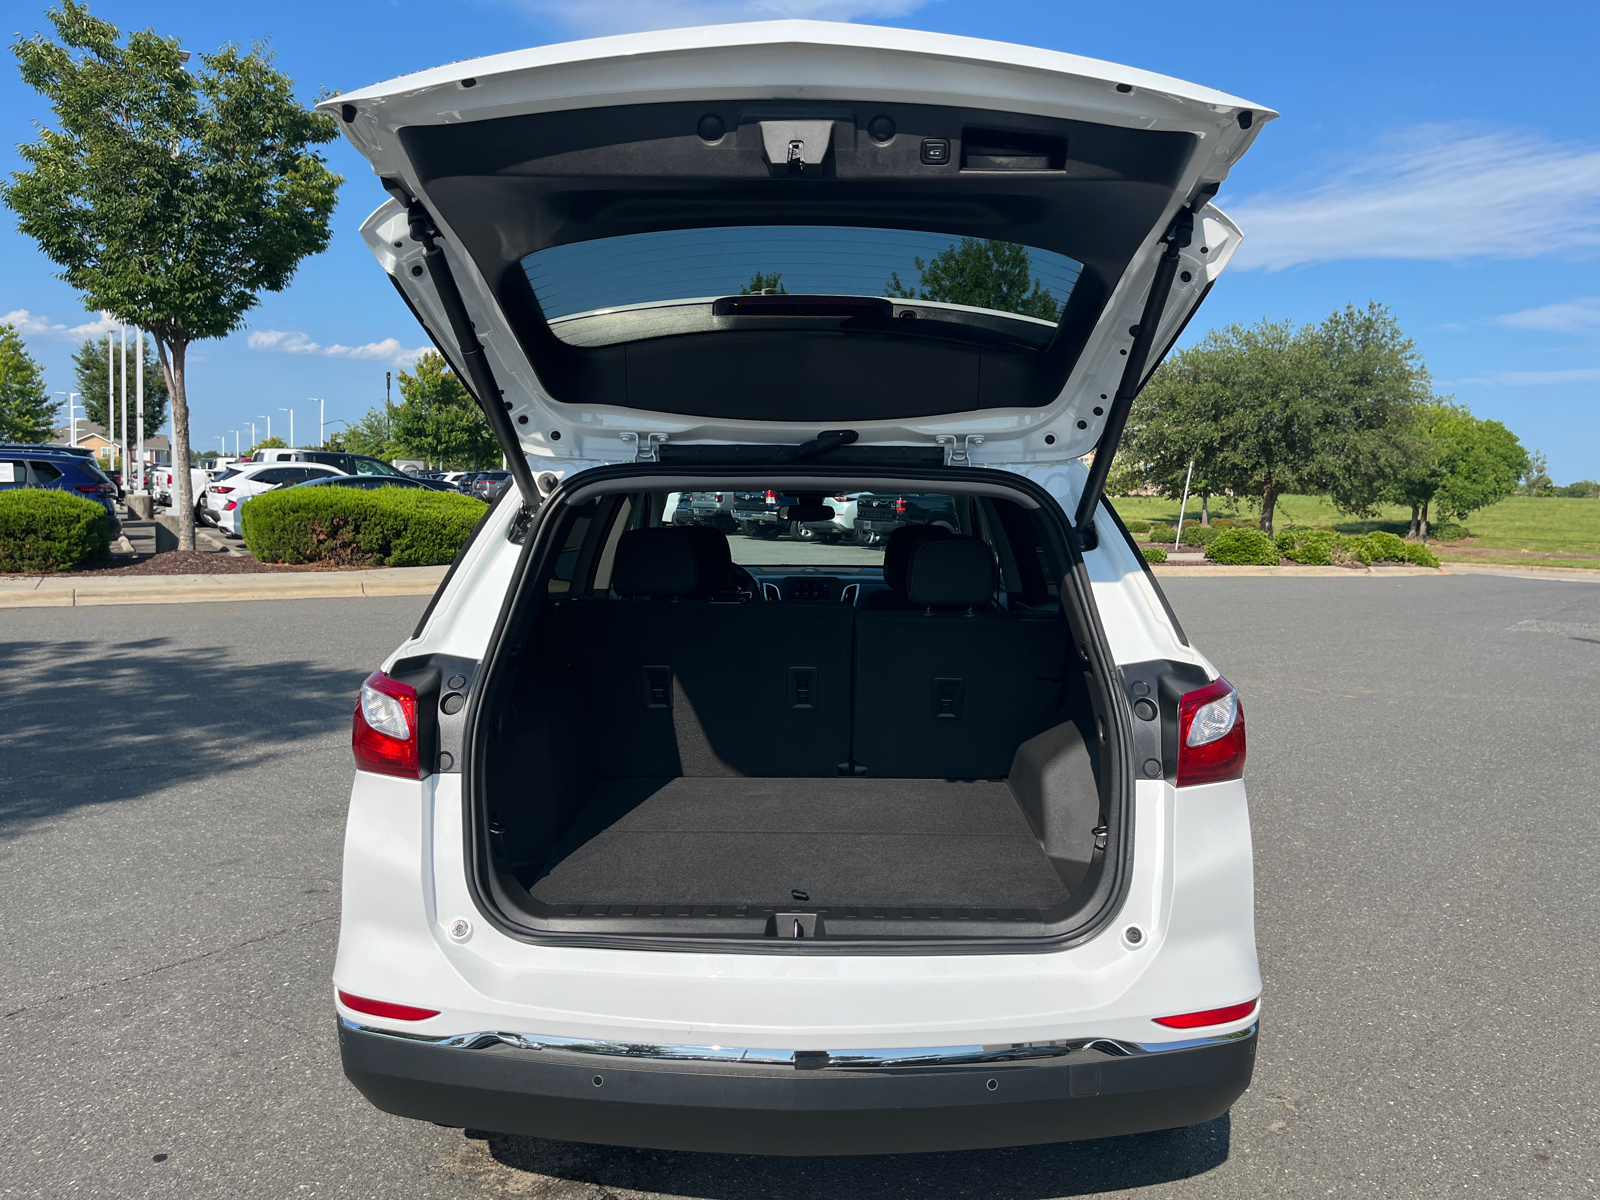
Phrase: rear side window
[45,472]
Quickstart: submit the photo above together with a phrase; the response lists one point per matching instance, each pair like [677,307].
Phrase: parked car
[485,484]
[877,516]
[229,491]
[373,482]
[350,464]
[162,485]
[653,848]
[24,465]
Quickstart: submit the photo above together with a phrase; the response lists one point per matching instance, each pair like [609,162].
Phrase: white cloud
[1433,192]
[31,325]
[1570,316]
[631,16]
[1537,378]
[294,342]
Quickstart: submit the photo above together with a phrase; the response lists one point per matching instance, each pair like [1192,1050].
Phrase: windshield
[903,264]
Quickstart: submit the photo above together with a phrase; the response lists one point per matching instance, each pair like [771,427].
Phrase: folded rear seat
[681,677]
[951,688]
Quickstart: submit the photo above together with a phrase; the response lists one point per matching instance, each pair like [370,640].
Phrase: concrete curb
[1530,571]
[83,591]
[1196,572]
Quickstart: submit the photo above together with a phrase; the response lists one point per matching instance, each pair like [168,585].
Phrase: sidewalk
[77,591]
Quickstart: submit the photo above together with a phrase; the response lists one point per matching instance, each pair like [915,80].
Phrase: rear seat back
[675,683]
[950,689]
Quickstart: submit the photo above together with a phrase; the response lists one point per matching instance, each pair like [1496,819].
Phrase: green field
[1558,529]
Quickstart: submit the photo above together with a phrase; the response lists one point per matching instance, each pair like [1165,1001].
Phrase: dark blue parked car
[60,468]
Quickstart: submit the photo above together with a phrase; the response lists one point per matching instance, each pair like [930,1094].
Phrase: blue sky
[1444,160]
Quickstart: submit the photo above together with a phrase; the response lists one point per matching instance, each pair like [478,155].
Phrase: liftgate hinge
[956,447]
[647,446]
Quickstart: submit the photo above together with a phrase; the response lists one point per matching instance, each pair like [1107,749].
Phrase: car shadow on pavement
[1016,1173]
[88,722]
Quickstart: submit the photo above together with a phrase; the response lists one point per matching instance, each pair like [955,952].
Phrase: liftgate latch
[956,448]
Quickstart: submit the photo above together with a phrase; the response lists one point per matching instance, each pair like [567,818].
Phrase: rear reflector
[1210,735]
[382,1008]
[1211,1016]
[383,733]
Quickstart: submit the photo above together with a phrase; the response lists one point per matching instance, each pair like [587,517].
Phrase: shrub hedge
[1138,525]
[1159,531]
[1154,554]
[1243,547]
[1200,535]
[1324,547]
[42,529]
[390,527]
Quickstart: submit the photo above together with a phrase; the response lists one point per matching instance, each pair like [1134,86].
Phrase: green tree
[373,434]
[89,376]
[983,274]
[1465,464]
[1176,421]
[765,283]
[438,420]
[169,198]
[1536,479]
[271,443]
[27,414]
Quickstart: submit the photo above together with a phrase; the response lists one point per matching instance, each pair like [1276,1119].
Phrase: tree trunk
[1424,522]
[172,366]
[1205,510]
[1269,500]
[1414,509]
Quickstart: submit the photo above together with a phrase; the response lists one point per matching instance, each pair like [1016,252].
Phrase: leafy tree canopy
[89,380]
[169,197]
[765,283]
[439,421]
[27,414]
[1463,464]
[1536,479]
[373,434]
[271,443]
[981,273]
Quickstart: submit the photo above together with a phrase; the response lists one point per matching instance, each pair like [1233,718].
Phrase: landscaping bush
[1243,547]
[1138,526]
[1154,554]
[1381,547]
[1225,523]
[1448,531]
[1312,547]
[391,526]
[1419,555]
[1199,535]
[46,530]
[1159,531]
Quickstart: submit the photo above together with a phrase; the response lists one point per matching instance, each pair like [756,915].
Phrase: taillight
[1210,1016]
[382,1008]
[384,732]
[1210,735]
[96,489]
[900,505]
[230,506]
[771,498]
[222,491]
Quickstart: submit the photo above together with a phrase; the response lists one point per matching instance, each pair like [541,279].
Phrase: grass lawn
[1557,529]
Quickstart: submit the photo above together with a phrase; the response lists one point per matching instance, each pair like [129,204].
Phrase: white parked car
[651,847]
[227,493]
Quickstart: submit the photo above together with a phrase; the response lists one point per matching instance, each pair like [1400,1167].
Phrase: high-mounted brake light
[383,734]
[1210,1016]
[382,1008]
[1211,744]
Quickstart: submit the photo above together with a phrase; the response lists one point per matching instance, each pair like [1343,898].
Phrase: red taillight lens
[230,506]
[771,498]
[383,735]
[222,491]
[382,1008]
[1210,1016]
[900,505]
[1210,735]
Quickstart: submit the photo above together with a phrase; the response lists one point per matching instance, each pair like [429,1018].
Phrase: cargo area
[693,750]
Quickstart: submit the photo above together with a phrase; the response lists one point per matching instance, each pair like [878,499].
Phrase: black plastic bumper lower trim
[781,1110]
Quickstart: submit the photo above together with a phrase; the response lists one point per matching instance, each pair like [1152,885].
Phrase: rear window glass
[704,264]
[46,472]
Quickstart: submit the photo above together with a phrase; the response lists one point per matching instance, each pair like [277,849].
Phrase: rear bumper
[777,1109]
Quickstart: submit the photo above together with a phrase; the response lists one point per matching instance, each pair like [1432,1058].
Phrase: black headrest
[672,561]
[951,572]
[897,551]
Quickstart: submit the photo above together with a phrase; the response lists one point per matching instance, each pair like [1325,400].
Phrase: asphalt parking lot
[1423,761]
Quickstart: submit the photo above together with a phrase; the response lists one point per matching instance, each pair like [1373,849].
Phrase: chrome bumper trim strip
[934,1056]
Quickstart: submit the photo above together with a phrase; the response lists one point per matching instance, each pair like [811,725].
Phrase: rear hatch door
[747,235]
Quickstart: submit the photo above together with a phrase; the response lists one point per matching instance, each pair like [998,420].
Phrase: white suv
[226,494]
[935,844]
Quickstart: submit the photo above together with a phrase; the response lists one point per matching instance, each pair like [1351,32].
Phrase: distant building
[157,449]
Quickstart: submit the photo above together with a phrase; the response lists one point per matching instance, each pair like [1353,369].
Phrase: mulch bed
[187,562]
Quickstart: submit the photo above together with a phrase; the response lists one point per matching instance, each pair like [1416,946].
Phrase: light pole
[252,435]
[72,417]
[138,371]
[322,419]
[290,411]
[268,420]
[235,433]
[222,443]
